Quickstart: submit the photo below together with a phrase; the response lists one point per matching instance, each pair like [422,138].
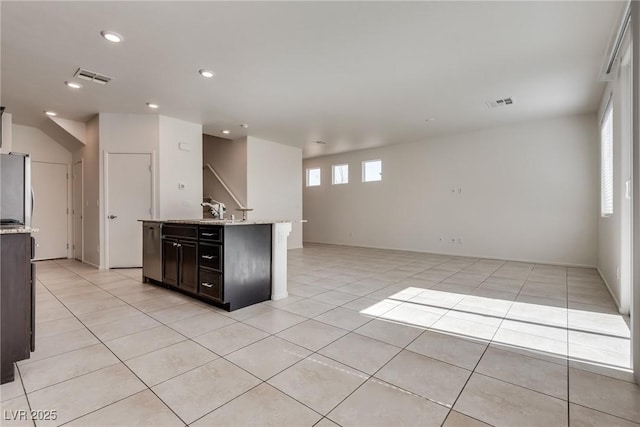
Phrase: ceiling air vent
[92,76]
[500,102]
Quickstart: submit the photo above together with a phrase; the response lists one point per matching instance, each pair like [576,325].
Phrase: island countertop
[12,229]
[225,222]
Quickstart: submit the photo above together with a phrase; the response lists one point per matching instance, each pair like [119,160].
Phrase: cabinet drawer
[211,256]
[190,232]
[211,285]
[212,234]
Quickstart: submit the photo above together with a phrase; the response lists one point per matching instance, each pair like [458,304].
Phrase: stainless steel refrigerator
[16,195]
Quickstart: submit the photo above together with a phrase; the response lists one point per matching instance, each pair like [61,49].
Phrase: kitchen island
[231,264]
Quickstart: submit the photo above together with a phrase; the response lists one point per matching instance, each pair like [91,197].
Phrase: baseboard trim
[529,261]
[91,264]
[613,295]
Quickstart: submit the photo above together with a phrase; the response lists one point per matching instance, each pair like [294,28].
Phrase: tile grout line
[277,373]
[116,356]
[568,364]
[476,365]
[370,376]
[26,395]
[187,338]
[396,280]
[490,341]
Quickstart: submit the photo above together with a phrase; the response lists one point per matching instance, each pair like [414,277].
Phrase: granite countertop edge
[18,230]
[217,221]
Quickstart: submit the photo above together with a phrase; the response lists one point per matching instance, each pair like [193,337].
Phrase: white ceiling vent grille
[92,76]
[500,102]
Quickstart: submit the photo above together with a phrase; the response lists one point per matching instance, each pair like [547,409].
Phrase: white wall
[635,308]
[229,159]
[42,148]
[180,166]
[77,129]
[528,192]
[38,145]
[6,133]
[131,133]
[92,220]
[614,248]
[140,133]
[274,182]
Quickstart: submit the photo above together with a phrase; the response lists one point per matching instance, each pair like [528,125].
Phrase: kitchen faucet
[217,208]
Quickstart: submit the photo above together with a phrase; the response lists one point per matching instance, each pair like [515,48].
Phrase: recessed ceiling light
[244,126]
[51,113]
[111,36]
[152,105]
[73,85]
[226,131]
[206,73]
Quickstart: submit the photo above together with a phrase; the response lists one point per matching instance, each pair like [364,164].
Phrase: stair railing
[242,208]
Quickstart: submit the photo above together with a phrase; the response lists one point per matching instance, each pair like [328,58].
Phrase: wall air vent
[91,76]
[500,102]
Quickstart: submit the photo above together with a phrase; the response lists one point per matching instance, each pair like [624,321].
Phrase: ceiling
[353,74]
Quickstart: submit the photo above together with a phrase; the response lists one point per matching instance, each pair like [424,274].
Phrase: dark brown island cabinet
[225,265]
[17,296]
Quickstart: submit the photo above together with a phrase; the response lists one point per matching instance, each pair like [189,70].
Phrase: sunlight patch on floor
[584,336]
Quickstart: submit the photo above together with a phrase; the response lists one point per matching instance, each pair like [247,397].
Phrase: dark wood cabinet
[17,296]
[235,264]
[170,261]
[210,240]
[229,266]
[211,285]
[180,257]
[188,252]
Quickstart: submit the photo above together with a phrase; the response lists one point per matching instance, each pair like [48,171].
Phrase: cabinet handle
[207,285]
[174,244]
[208,256]
[178,245]
[208,234]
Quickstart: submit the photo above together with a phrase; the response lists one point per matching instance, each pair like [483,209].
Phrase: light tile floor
[366,338]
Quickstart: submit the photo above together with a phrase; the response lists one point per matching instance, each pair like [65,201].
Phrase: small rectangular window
[371,170]
[340,174]
[606,162]
[313,177]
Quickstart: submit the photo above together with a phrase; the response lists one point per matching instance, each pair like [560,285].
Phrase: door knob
[112,216]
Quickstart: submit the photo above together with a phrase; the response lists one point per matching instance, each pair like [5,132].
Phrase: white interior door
[49,181]
[129,200]
[77,211]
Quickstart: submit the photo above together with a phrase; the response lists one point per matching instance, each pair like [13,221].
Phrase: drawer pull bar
[207,285]
[208,234]
[208,256]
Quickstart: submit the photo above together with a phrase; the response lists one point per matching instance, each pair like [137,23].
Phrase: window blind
[606,162]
